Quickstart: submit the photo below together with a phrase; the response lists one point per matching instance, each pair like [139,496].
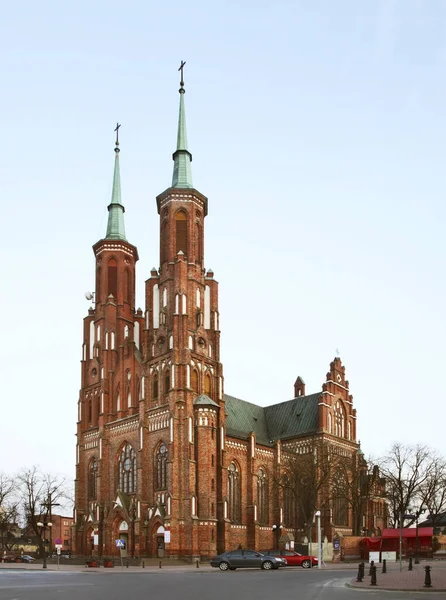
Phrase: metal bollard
[372,563]
[143,564]
[360,573]
[373,581]
[160,564]
[384,569]
[198,564]
[362,570]
[427,577]
[410,564]
[127,564]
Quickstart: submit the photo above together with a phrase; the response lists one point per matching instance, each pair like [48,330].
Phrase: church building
[165,460]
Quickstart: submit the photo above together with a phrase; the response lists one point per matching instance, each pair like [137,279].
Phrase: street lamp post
[44,525]
[276,530]
[319,548]
[417,560]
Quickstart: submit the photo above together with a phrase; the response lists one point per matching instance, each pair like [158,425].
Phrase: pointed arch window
[339,420]
[161,467]
[262,496]
[199,251]
[194,380]
[112,278]
[166,381]
[340,500]
[234,496]
[181,232]
[127,470]
[289,504]
[128,287]
[92,479]
[155,387]
[207,384]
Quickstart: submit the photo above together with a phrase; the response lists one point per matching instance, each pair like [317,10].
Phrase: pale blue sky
[317,130]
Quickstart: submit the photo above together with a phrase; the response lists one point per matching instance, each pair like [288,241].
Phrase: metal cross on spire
[183,62]
[117,133]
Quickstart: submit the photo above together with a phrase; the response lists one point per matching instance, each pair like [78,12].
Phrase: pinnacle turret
[115,225]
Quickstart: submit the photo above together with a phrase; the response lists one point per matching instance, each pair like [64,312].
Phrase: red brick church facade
[165,460]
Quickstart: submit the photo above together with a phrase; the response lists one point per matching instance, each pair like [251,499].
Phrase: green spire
[115,225]
[182,174]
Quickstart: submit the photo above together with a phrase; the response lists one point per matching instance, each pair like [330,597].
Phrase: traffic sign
[58,541]
[120,543]
[58,546]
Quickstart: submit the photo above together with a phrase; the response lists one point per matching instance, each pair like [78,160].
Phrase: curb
[375,588]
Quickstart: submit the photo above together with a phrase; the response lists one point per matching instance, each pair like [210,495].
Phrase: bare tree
[308,470]
[9,510]
[407,473]
[39,493]
[433,493]
[356,480]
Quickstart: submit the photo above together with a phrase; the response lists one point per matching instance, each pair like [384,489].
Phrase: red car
[294,559]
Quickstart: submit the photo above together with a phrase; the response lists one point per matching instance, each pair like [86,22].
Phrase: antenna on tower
[89,296]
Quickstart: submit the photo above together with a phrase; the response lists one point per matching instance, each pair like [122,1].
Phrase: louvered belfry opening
[181,232]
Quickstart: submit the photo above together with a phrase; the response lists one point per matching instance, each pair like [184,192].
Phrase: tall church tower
[182,357]
[150,433]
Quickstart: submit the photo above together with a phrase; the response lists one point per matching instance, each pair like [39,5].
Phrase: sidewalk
[405,580]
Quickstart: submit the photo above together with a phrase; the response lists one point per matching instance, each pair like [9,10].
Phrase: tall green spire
[115,225]
[182,174]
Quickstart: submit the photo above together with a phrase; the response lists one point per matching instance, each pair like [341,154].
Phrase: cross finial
[117,134]
[337,352]
[183,62]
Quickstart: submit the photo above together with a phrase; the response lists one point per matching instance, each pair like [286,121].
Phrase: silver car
[238,559]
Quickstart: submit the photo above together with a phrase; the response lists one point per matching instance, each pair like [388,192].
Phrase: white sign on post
[374,556]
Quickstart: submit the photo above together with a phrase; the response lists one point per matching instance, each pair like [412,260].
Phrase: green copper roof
[182,173]
[115,225]
[204,400]
[289,419]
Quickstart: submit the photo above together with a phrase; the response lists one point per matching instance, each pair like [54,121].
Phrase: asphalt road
[238,585]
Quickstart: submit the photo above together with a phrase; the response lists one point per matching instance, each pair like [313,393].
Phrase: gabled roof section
[293,418]
[289,419]
[204,400]
[243,417]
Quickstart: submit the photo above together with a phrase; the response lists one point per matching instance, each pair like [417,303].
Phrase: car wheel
[306,564]
[223,566]
[267,565]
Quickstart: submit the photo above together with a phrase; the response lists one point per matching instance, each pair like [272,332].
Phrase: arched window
[128,287]
[194,381]
[127,470]
[234,500]
[112,273]
[161,467]
[207,384]
[262,497]
[181,231]
[166,381]
[289,504]
[164,242]
[340,500]
[198,250]
[155,387]
[339,420]
[92,479]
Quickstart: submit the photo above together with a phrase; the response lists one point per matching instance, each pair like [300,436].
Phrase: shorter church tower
[109,367]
